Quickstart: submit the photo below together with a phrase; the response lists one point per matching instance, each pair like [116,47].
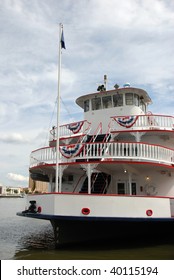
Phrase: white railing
[110,151]
[70,130]
[43,156]
[142,122]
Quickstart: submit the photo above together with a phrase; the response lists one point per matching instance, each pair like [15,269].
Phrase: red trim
[43,148]
[158,115]
[65,138]
[117,195]
[145,130]
[73,136]
[108,162]
[127,142]
[74,123]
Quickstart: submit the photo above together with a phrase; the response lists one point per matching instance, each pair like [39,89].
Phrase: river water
[31,239]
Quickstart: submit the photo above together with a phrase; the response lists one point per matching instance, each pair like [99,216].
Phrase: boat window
[70,178]
[136,99]
[107,101]
[118,100]
[121,188]
[142,105]
[86,105]
[96,103]
[134,189]
[129,98]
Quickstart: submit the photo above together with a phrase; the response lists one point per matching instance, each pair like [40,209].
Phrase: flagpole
[57,189]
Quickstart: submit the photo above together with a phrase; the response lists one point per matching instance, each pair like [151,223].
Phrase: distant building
[37,186]
[10,190]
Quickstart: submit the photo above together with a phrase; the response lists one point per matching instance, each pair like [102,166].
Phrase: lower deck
[99,206]
[81,217]
[108,177]
[149,218]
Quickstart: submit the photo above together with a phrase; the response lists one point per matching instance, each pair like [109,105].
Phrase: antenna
[105,81]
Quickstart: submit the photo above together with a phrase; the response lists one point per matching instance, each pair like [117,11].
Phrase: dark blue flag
[62,41]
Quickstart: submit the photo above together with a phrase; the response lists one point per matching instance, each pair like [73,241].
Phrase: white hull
[79,218]
[104,205]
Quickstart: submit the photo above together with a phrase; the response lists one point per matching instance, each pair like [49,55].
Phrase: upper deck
[117,124]
[128,131]
[101,106]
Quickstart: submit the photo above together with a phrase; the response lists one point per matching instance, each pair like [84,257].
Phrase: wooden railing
[142,122]
[107,151]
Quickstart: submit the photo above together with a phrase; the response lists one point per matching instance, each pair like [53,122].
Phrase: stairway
[99,181]
[96,139]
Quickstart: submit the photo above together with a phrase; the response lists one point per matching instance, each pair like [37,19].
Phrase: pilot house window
[118,100]
[86,105]
[129,98]
[107,101]
[136,99]
[96,103]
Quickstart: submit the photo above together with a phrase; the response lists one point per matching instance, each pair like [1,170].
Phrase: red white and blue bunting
[127,121]
[75,127]
[71,150]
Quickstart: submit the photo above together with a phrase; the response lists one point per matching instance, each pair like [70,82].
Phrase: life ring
[85,211]
[150,190]
[149,212]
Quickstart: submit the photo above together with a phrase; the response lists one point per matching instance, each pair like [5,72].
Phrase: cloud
[17,177]
[130,41]
[15,138]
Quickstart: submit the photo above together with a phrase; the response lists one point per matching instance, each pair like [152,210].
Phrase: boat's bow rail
[112,151]
[142,122]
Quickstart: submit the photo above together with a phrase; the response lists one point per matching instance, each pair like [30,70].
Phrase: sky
[129,41]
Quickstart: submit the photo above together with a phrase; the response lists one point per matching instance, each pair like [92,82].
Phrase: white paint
[103,206]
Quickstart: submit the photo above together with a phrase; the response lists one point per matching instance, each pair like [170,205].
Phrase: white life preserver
[150,190]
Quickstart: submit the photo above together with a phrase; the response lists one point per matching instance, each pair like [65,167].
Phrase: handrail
[107,184]
[93,180]
[107,133]
[107,151]
[143,122]
[96,133]
[71,129]
[78,182]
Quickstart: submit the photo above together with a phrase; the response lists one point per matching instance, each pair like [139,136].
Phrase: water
[31,239]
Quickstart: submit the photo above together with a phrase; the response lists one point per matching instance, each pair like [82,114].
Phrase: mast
[61,45]
[105,81]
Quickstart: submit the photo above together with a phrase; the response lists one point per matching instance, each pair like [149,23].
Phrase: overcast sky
[130,41]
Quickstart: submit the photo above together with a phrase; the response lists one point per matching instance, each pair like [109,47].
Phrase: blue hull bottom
[69,229]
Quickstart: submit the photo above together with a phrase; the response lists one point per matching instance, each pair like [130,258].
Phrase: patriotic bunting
[71,150]
[75,127]
[126,121]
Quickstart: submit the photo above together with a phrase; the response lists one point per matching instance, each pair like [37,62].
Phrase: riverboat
[116,170]
[111,174]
